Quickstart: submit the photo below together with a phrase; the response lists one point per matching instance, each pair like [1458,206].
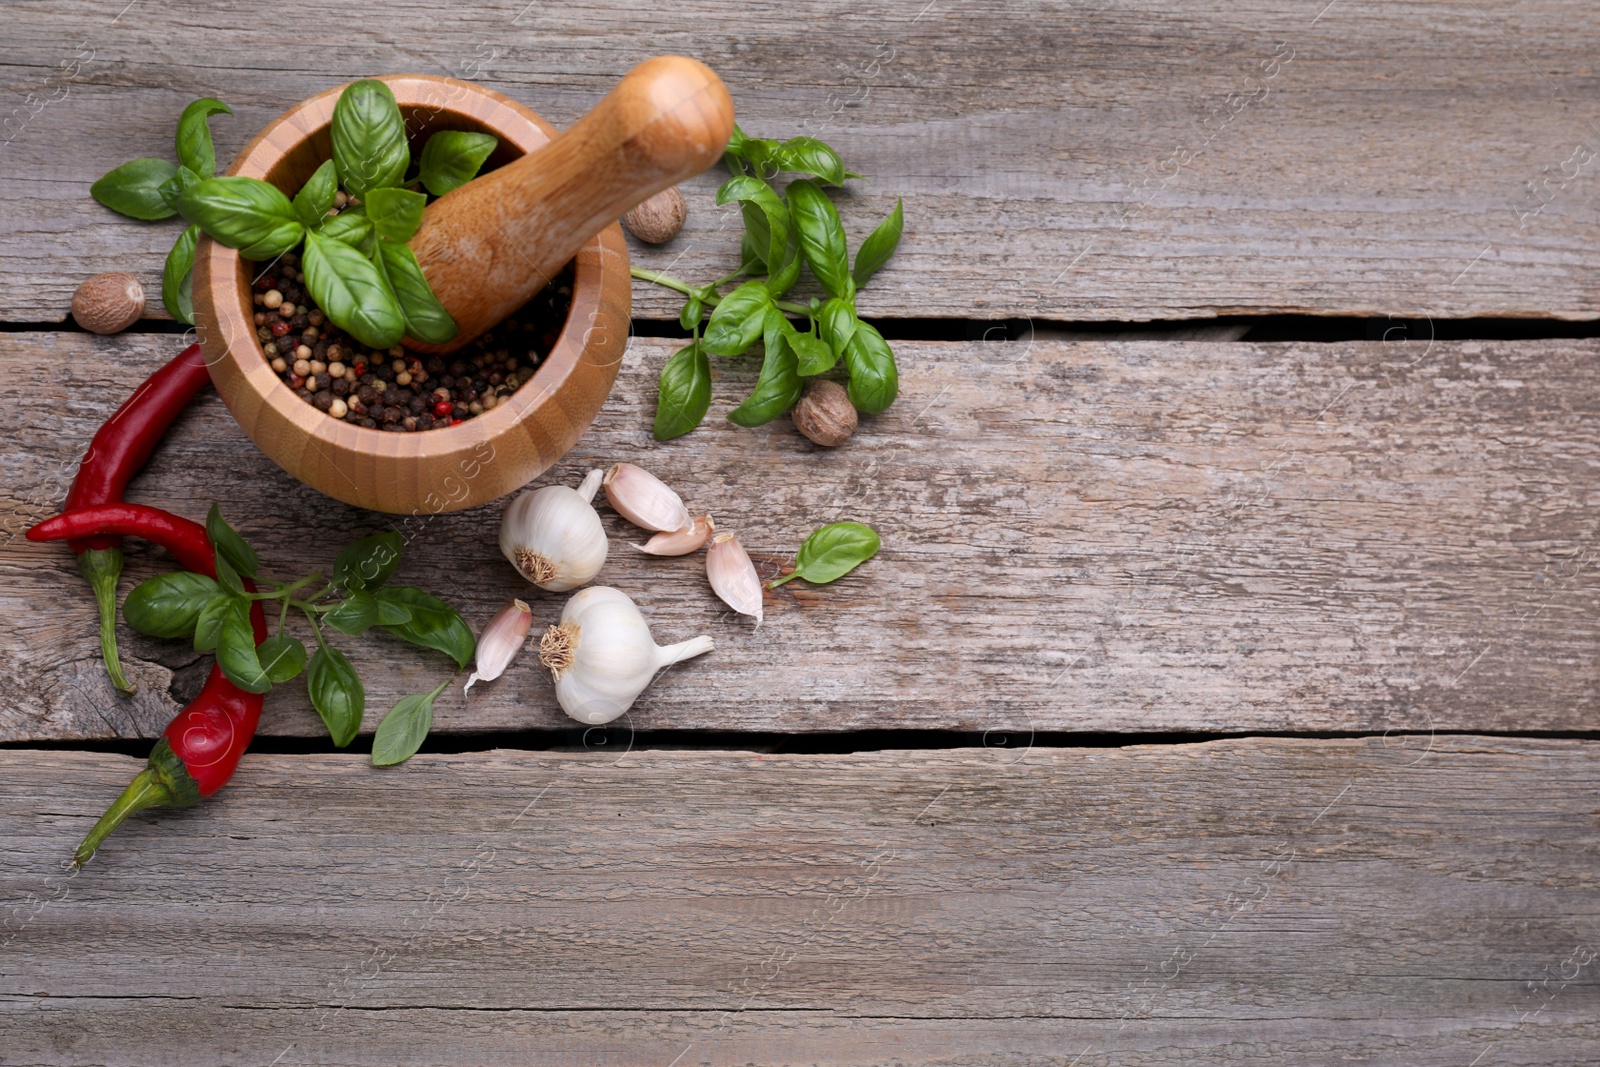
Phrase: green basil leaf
[779,385]
[837,324]
[353,228]
[134,189]
[403,730]
[229,545]
[227,577]
[821,237]
[765,217]
[168,604]
[182,180]
[282,657]
[353,615]
[783,279]
[874,379]
[807,155]
[217,610]
[350,291]
[452,158]
[393,613]
[879,245]
[395,213]
[689,317]
[434,624]
[832,552]
[752,260]
[177,278]
[426,319]
[337,694]
[754,150]
[316,197]
[736,322]
[236,654]
[368,562]
[244,213]
[369,138]
[684,394]
[195,150]
[814,355]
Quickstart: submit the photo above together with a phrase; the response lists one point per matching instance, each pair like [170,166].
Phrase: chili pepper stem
[164,783]
[102,567]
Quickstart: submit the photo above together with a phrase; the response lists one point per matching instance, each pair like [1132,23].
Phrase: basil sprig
[358,269]
[832,552]
[215,614]
[783,230]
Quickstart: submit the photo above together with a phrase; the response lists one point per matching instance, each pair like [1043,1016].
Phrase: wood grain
[1124,536]
[1252,901]
[1084,160]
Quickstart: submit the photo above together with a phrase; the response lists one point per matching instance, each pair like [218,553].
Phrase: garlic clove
[733,577]
[554,537]
[500,641]
[643,499]
[680,542]
[602,656]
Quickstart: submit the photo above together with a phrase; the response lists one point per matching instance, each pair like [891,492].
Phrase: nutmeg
[825,413]
[658,219]
[108,303]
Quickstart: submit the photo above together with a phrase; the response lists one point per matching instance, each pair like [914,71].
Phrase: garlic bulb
[553,535]
[500,641]
[733,577]
[602,656]
[680,542]
[643,499]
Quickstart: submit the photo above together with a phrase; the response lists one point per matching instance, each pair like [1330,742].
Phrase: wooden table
[1212,699]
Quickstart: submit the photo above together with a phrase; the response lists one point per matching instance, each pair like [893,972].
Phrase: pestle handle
[490,245]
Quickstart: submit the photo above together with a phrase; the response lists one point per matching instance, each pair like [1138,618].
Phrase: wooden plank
[1255,901]
[1077,536]
[1075,161]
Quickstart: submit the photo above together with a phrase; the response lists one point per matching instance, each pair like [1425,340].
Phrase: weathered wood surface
[1079,161]
[1077,536]
[1435,901]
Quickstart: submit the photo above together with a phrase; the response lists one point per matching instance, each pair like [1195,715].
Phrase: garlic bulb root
[554,537]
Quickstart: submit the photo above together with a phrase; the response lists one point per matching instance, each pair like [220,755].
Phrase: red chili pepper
[119,449]
[200,749]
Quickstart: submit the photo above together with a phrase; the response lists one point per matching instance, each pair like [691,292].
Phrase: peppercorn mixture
[396,390]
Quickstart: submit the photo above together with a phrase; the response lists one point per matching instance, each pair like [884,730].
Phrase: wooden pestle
[490,245]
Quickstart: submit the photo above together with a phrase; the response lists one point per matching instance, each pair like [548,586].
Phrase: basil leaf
[367,563]
[821,237]
[369,138]
[177,278]
[807,155]
[452,158]
[689,317]
[832,552]
[426,319]
[395,213]
[837,324]
[403,730]
[208,624]
[874,379]
[134,189]
[172,190]
[168,604]
[392,613]
[434,624]
[316,197]
[879,245]
[684,394]
[350,291]
[229,545]
[337,694]
[195,150]
[783,279]
[236,654]
[353,228]
[736,322]
[779,385]
[243,213]
[353,615]
[282,657]
[814,355]
[765,217]
[751,258]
